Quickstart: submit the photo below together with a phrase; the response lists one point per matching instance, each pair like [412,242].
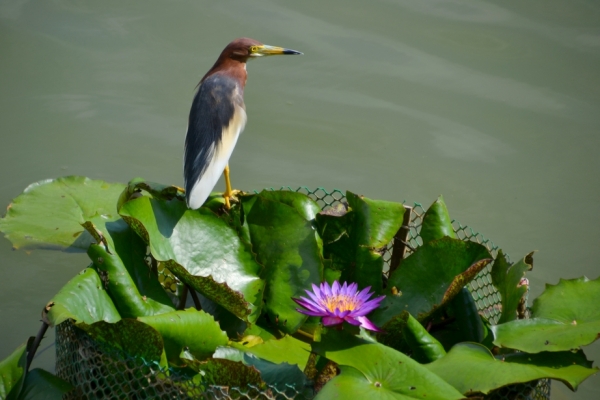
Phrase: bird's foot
[231,197]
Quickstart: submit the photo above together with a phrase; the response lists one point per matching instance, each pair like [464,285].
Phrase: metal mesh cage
[98,373]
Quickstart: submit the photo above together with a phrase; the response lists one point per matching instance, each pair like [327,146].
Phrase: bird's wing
[216,119]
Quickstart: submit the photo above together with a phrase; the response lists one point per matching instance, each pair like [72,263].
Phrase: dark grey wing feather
[212,110]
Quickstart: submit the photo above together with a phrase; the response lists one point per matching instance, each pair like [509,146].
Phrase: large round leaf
[82,299]
[120,256]
[430,277]
[458,367]
[374,371]
[192,329]
[49,213]
[564,317]
[287,245]
[200,249]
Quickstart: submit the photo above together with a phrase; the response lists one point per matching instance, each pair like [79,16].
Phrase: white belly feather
[205,184]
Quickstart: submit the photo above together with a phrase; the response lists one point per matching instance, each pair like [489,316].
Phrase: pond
[493,106]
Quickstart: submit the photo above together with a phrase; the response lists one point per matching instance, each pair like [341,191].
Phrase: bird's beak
[266,50]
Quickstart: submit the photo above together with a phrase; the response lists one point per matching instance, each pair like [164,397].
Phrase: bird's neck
[231,68]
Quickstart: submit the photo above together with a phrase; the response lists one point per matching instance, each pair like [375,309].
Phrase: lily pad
[49,213]
[458,365]
[564,317]
[128,338]
[42,385]
[202,250]
[353,240]
[194,330]
[288,247]
[437,222]
[12,373]
[431,277]
[374,371]
[507,278]
[82,299]
[120,259]
[286,349]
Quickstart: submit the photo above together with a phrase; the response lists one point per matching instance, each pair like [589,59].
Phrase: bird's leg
[228,192]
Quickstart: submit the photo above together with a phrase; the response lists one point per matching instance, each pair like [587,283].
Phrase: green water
[495,105]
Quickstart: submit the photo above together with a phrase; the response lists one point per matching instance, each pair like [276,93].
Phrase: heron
[217,117]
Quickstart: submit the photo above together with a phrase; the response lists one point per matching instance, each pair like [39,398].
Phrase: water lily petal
[365,323]
[330,321]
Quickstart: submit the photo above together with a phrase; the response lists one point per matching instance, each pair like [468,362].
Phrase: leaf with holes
[564,317]
[430,277]
[120,259]
[202,250]
[507,279]
[192,329]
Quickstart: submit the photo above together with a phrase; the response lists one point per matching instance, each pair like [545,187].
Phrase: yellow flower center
[341,302]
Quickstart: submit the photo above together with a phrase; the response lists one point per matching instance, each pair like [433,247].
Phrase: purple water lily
[337,304]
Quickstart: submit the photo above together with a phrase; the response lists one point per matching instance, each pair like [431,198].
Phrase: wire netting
[98,372]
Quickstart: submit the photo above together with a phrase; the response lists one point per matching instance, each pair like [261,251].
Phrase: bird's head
[243,49]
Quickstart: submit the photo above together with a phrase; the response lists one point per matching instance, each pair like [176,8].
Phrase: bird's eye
[253,49]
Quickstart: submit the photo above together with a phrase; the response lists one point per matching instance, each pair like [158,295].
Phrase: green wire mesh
[98,373]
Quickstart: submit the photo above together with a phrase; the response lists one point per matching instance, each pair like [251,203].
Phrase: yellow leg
[228,191]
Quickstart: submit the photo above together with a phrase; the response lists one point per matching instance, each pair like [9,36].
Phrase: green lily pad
[374,371]
[120,259]
[353,240]
[49,213]
[42,385]
[82,299]
[437,222]
[564,317]
[12,373]
[431,277]
[223,372]
[194,330]
[286,349]
[288,247]
[128,338]
[506,278]
[458,365]
[202,250]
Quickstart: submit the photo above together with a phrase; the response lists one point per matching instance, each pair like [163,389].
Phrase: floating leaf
[49,213]
[223,372]
[134,288]
[354,239]
[564,317]
[507,278]
[436,222]
[288,247]
[12,373]
[128,338]
[458,365]
[42,385]
[287,349]
[202,250]
[430,277]
[192,329]
[82,299]
[374,371]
